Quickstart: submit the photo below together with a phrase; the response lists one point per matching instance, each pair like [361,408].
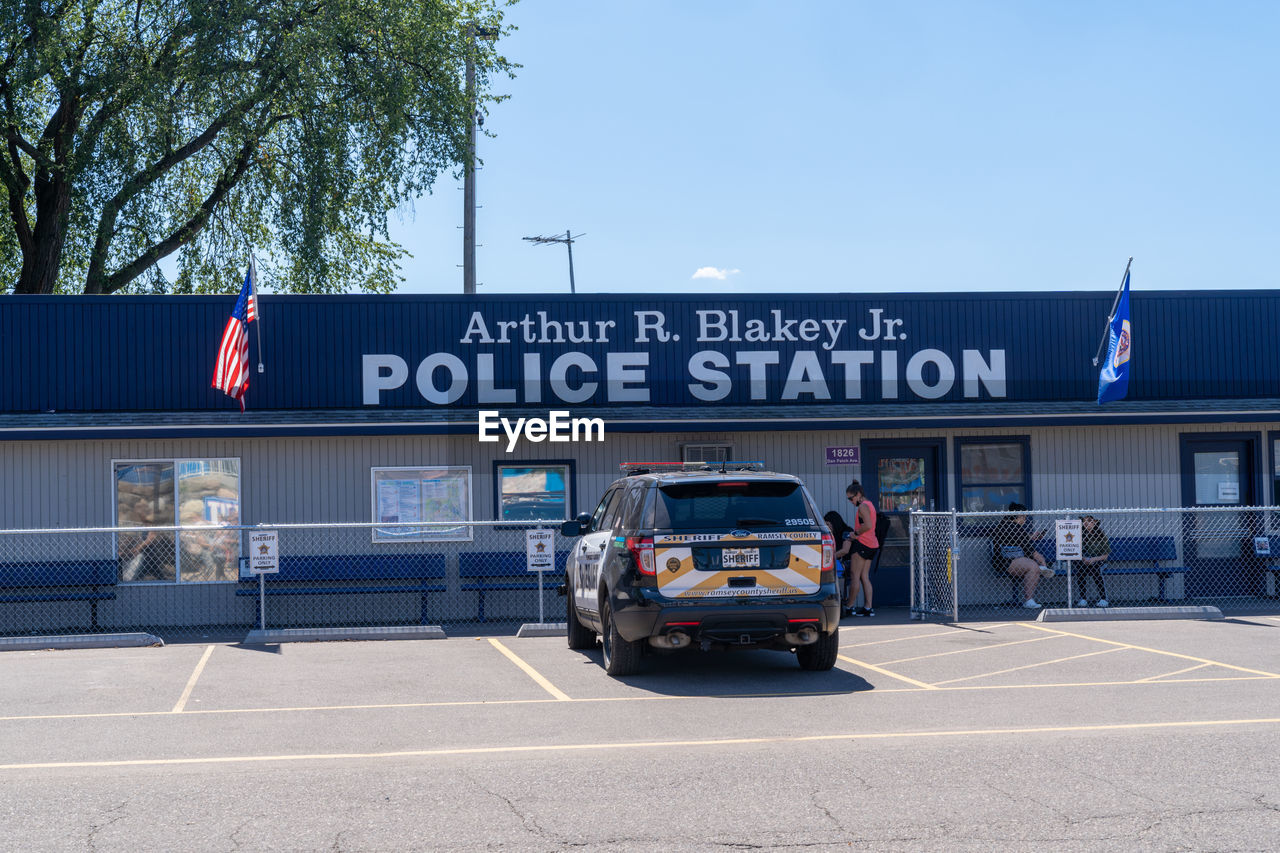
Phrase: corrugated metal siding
[69,484]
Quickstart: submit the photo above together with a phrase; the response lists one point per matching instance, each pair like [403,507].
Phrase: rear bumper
[639,617]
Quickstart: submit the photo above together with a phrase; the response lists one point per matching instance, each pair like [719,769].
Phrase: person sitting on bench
[1095,549]
[1012,553]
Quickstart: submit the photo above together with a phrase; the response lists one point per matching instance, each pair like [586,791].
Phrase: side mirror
[577,526]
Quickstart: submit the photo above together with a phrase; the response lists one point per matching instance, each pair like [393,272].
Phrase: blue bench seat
[494,571]
[353,574]
[59,580]
[1131,555]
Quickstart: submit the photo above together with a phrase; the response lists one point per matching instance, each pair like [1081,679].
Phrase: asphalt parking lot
[1106,735]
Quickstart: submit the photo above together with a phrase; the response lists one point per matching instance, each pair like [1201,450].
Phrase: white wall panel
[69,483]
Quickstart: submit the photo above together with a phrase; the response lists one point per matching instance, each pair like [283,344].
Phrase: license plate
[740,558]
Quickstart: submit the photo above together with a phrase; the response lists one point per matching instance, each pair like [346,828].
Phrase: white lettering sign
[817,363]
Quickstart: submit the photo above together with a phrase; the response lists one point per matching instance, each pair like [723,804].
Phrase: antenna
[567,239]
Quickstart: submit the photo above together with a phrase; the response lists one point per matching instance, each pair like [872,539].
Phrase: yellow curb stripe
[667,744]
[882,671]
[191,682]
[531,672]
[1151,650]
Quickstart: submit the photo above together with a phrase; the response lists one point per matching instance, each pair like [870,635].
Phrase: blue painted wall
[156,353]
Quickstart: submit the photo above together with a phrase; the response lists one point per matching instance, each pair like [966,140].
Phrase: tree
[133,130]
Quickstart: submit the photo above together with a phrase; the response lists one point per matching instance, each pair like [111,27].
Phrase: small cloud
[713,272]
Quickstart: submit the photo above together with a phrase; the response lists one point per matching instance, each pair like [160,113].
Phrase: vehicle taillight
[828,552]
[641,547]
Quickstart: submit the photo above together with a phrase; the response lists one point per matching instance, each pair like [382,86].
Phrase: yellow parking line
[966,651]
[1151,650]
[1026,666]
[471,703]
[636,745]
[531,672]
[191,682]
[1092,683]
[465,703]
[922,636]
[1175,672]
[882,671]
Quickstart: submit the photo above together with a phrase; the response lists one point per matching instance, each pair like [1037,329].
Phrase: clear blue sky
[859,147]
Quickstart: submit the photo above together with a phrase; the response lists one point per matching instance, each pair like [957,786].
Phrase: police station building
[409,408]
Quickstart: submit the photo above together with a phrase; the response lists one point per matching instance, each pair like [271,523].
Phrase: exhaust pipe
[670,640]
[806,636]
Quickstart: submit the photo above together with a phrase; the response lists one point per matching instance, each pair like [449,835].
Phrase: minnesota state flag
[1113,381]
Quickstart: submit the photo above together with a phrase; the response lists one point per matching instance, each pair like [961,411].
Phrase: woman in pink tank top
[864,549]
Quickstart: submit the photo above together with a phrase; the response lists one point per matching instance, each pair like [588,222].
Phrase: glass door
[899,476]
[1218,472]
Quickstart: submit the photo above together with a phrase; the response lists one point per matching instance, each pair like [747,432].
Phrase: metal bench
[353,574]
[59,580]
[494,571]
[1140,555]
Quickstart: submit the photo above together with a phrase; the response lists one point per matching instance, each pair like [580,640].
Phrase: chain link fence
[994,565]
[196,581]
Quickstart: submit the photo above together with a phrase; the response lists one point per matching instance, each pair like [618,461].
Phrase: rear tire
[820,656]
[621,657]
[580,636]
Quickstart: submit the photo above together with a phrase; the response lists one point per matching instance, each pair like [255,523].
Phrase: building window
[1275,470]
[534,491]
[993,473]
[155,494]
[406,496]
[706,453]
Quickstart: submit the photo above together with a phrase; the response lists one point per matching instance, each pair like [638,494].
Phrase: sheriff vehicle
[698,555]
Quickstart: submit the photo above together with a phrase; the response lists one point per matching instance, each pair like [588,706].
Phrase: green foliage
[210,128]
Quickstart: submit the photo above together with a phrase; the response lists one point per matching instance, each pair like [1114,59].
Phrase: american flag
[231,370]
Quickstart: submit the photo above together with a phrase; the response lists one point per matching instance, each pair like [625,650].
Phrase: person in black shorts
[1013,553]
[864,547]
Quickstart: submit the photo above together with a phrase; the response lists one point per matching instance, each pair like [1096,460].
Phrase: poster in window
[533,493]
[406,497]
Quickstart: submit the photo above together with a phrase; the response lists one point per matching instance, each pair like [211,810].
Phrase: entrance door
[899,476]
[1219,471]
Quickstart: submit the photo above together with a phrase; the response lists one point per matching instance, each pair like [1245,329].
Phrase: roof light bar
[646,467]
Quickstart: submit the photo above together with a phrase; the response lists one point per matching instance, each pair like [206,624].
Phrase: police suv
[708,556]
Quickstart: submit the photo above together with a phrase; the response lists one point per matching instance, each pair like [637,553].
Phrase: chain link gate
[933,573]
[1222,556]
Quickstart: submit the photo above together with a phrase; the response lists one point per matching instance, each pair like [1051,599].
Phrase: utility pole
[567,240]
[469,179]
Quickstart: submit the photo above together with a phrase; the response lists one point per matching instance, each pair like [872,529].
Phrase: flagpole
[252,265]
[1106,333]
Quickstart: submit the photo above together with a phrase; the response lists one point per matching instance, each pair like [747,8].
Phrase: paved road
[1084,736]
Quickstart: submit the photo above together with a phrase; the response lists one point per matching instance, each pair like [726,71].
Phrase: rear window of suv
[719,505]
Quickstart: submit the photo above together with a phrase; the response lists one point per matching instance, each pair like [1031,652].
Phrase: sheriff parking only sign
[1068,539]
[540,550]
[264,553]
